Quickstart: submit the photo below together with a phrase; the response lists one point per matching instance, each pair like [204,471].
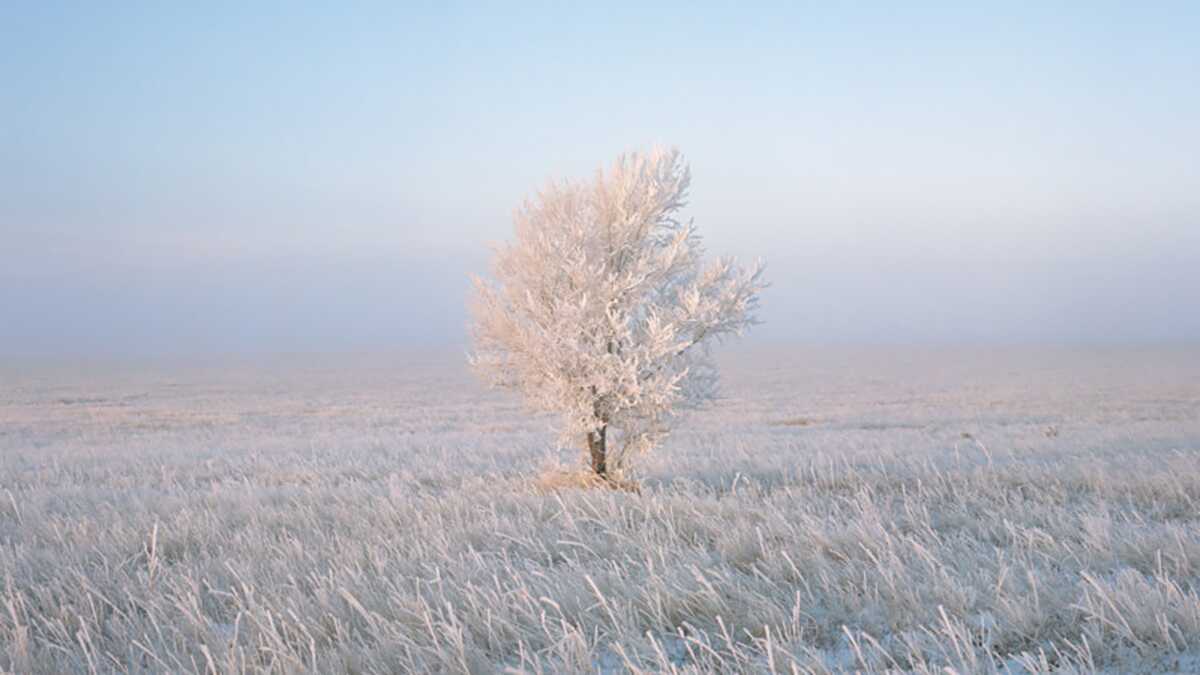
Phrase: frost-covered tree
[603,310]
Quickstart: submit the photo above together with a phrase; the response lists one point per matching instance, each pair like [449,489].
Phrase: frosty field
[1011,510]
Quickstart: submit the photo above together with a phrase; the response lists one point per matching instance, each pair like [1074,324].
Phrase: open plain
[880,509]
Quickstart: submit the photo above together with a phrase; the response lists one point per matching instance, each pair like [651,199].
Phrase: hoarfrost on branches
[603,308]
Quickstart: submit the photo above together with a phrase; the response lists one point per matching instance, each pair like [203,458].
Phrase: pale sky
[218,178]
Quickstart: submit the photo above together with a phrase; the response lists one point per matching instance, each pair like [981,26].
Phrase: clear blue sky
[233,178]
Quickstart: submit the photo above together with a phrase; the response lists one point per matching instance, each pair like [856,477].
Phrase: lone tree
[603,310]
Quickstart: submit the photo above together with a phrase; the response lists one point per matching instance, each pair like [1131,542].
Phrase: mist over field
[250,180]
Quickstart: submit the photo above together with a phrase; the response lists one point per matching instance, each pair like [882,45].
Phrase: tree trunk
[598,448]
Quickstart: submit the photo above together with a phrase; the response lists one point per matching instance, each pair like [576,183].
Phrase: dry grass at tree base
[385,515]
[554,478]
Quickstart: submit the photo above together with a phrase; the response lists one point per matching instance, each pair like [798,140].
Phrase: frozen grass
[1007,510]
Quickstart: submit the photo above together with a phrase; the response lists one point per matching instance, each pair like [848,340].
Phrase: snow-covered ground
[1016,509]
